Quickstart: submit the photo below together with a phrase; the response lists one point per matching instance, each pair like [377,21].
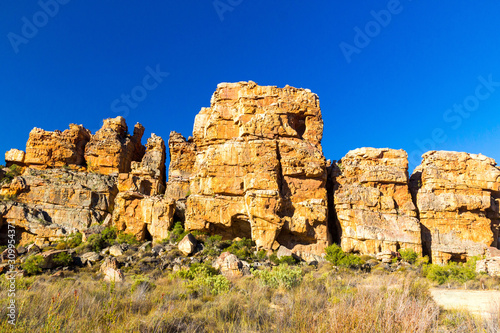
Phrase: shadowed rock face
[373,202]
[457,195]
[259,170]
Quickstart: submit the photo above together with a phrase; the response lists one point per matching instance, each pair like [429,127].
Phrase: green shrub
[280,276]
[74,240]
[62,246]
[178,232]
[408,255]
[32,265]
[109,235]
[274,258]
[13,171]
[337,257]
[289,260]
[262,254]
[214,245]
[97,242]
[3,248]
[242,248]
[452,271]
[126,238]
[204,278]
[62,259]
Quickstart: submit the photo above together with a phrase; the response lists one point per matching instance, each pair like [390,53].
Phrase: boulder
[373,203]
[458,197]
[90,258]
[140,215]
[14,156]
[491,263]
[111,271]
[116,251]
[188,244]
[229,265]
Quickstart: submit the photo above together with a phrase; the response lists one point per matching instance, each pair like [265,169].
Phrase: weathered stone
[188,244]
[53,203]
[46,149]
[142,215]
[148,176]
[49,257]
[373,203]
[90,258]
[259,170]
[112,150]
[182,160]
[14,156]
[283,252]
[116,251]
[111,271]
[458,196]
[229,265]
[491,263]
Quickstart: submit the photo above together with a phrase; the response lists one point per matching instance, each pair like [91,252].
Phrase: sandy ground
[483,303]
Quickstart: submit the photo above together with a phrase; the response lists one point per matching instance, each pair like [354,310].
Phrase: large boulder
[373,202]
[143,215]
[458,196]
[259,170]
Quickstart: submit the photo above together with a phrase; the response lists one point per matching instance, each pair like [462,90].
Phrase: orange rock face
[46,149]
[373,202]
[259,170]
[182,160]
[148,176]
[112,150]
[143,216]
[458,199]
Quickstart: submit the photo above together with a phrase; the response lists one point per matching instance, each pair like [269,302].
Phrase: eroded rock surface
[373,202]
[46,149]
[112,149]
[457,195]
[259,170]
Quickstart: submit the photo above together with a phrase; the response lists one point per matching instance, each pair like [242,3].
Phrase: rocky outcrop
[373,202]
[259,170]
[457,195]
[143,216]
[55,202]
[491,263]
[148,175]
[14,156]
[46,149]
[182,161]
[112,149]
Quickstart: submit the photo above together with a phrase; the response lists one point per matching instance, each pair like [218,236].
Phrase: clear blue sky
[405,72]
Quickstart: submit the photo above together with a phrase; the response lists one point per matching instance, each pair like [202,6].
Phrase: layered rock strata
[259,170]
[457,195]
[373,202]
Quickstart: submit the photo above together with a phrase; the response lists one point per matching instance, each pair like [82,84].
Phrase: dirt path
[483,303]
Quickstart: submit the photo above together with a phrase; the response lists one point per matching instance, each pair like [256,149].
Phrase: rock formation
[253,168]
[373,202]
[47,149]
[259,170]
[457,195]
[112,150]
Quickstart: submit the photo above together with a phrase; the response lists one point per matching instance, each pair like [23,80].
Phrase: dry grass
[325,301]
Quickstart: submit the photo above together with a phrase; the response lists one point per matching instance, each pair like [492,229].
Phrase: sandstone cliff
[373,202]
[259,170]
[457,195]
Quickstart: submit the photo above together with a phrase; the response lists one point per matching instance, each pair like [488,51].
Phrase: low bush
[124,238]
[32,265]
[178,232]
[242,248]
[62,259]
[203,279]
[282,275]
[452,271]
[408,255]
[337,257]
